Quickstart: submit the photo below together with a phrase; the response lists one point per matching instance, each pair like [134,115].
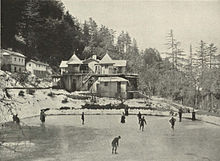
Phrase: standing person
[142,122]
[14,118]
[126,110]
[193,115]
[123,118]
[180,114]
[172,122]
[115,144]
[42,116]
[17,120]
[82,118]
[139,117]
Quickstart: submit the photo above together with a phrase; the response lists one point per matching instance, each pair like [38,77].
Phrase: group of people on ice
[115,142]
[142,122]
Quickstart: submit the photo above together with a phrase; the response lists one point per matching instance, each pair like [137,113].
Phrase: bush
[50,94]
[21,77]
[111,106]
[65,100]
[64,108]
[21,93]
[46,109]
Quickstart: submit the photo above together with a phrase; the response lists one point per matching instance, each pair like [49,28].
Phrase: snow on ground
[30,105]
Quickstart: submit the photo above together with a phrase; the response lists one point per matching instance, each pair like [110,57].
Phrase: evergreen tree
[211,53]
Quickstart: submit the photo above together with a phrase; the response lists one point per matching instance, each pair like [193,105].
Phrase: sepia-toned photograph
[110,80]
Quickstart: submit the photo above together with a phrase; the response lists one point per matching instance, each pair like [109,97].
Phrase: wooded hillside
[43,30]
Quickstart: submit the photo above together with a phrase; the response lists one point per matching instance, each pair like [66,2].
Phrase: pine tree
[171,46]
[86,36]
[29,22]
[211,49]
[202,58]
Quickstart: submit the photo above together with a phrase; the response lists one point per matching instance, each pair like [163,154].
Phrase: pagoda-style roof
[106,60]
[74,60]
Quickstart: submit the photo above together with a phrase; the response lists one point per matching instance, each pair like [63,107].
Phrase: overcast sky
[149,21]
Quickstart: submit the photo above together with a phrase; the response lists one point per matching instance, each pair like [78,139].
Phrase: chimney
[94,57]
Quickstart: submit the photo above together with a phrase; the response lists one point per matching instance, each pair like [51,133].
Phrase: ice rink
[64,139]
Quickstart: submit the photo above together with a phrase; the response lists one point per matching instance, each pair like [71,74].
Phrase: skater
[180,114]
[172,122]
[42,116]
[123,118]
[82,118]
[115,144]
[17,120]
[126,110]
[139,117]
[142,122]
[14,118]
[193,115]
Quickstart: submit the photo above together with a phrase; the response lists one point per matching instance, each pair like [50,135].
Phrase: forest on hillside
[43,30]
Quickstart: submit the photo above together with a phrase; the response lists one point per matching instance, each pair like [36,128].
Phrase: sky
[149,22]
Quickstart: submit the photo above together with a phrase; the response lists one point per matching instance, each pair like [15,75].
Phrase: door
[73,85]
[119,89]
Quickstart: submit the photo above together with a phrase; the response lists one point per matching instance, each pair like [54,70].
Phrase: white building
[110,87]
[12,61]
[63,67]
[119,66]
[37,68]
[109,66]
[106,65]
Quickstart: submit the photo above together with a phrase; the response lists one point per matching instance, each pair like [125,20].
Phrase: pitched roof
[63,64]
[74,60]
[5,52]
[120,63]
[39,63]
[106,60]
[112,79]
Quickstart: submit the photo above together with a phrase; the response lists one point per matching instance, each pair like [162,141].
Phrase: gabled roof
[106,60]
[63,64]
[120,63]
[5,52]
[112,79]
[38,62]
[74,60]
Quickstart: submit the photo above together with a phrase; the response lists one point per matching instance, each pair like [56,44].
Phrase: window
[29,64]
[15,59]
[15,69]
[19,69]
[105,83]
[19,59]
